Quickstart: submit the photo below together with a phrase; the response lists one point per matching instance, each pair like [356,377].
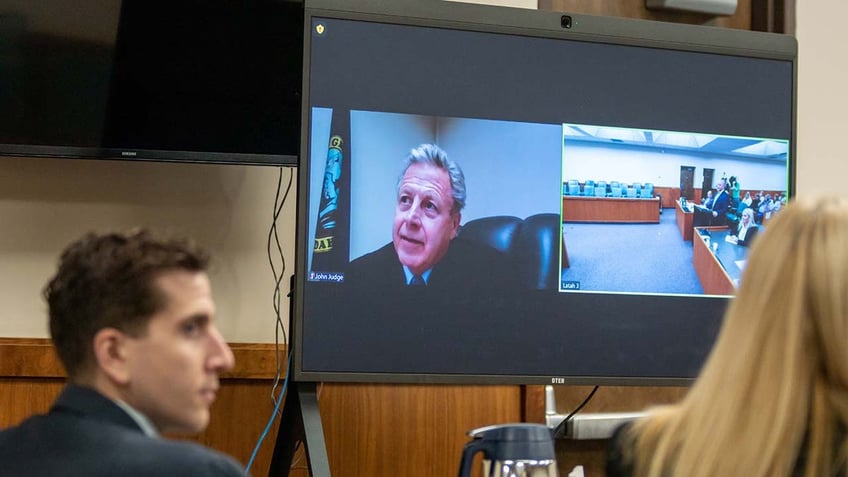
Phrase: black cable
[559,430]
[273,233]
[274,237]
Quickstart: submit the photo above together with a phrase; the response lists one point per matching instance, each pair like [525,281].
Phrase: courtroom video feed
[664,212]
[573,208]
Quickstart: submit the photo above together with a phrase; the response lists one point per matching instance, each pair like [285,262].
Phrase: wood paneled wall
[408,430]
[370,430]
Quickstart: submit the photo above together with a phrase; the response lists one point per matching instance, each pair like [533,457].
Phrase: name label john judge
[326,277]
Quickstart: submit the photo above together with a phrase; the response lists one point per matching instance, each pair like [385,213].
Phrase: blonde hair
[749,212]
[775,387]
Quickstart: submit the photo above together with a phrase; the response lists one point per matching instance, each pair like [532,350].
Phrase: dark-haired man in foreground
[132,320]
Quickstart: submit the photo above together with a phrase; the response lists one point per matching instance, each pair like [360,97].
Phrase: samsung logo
[129,153]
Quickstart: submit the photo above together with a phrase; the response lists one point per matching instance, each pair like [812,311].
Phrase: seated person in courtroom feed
[771,399]
[745,203]
[427,248]
[764,208]
[132,321]
[744,233]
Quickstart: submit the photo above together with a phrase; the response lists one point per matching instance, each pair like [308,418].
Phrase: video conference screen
[610,194]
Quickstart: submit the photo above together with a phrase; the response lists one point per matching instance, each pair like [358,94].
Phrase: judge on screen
[427,249]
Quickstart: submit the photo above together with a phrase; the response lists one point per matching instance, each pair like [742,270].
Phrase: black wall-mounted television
[176,80]
[588,147]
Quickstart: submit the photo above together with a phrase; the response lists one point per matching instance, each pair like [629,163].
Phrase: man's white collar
[143,422]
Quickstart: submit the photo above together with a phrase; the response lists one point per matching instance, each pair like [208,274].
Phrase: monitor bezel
[528,23]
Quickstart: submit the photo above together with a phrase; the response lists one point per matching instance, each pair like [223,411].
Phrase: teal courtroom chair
[600,190]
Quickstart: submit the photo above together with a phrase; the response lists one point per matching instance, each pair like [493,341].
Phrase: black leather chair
[532,244]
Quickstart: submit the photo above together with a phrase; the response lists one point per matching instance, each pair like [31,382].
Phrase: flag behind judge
[331,247]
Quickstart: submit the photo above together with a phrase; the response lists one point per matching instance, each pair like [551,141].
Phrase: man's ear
[455,220]
[110,355]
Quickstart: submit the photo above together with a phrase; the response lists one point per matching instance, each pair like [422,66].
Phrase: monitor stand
[300,422]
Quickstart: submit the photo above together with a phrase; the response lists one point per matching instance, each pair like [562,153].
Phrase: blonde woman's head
[748,216]
[796,279]
[782,346]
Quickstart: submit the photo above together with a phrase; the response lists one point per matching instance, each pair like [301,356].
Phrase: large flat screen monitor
[174,80]
[607,166]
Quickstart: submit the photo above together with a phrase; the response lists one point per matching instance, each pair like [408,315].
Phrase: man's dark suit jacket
[381,322]
[86,434]
[703,217]
[721,204]
[467,269]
